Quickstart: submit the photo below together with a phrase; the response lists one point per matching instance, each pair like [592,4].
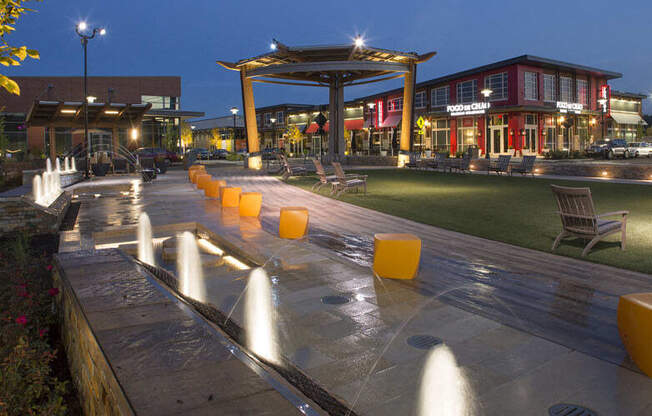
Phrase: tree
[10,12]
[170,136]
[216,138]
[4,140]
[186,135]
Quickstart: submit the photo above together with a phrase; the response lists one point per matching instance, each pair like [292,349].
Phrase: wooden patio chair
[461,165]
[414,162]
[440,161]
[345,182]
[324,179]
[291,170]
[527,166]
[501,166]
[578,218]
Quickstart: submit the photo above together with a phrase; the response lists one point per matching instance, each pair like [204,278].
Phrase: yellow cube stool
[396,256]
[635,327]
[293,223]
[203,179]
[212,190]
[250,204]
[230,196]
[195,168]
[195,173]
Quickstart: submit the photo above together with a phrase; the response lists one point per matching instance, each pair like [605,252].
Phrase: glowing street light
[359,42]
[234,111]
[273,46]
[486,93]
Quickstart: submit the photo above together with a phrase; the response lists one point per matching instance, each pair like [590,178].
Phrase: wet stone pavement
[517,336]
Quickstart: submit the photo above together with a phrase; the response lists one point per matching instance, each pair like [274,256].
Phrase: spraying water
[145,244]
[259,315]
[48,165]
[191,279]
[57,164]
[73,167]
[444,388]
[37,191]
[66,164]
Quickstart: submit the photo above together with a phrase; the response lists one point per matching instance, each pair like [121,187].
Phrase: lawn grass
[514,210]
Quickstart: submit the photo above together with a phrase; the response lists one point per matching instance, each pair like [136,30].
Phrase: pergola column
[53,146]
[407,122]
[255,159]
[336,142]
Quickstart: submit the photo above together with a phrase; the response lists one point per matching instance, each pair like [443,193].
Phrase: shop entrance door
[498,140]
[530,140]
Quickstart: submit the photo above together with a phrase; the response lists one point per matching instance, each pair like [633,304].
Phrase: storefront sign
[565,107]
[468,109]
[605,97]
[379,112]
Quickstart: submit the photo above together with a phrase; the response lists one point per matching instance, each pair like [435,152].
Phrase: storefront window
[467,91]
[582,91]
[441,135]
[420,100]
[466,134]
[551,134]
[497,83]
[531,86]
[565,89]
[395,104]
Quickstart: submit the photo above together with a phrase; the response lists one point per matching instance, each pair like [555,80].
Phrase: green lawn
[516,210]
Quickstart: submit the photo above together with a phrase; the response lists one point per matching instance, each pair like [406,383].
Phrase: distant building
[219,133]
[163,92]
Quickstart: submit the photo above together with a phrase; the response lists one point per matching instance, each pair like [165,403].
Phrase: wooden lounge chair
[578,218]
[501,166]
[527,166]
[291,170]
[461,165]
[345,182]
[324,179]
[440,161]
[415,159]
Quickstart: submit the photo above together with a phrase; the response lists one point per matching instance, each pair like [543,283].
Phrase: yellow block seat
[396,256]
[250,204]
[203,180]
[212,190]
[293,223]
[230,196]
[635,327]
[195,173]
[196,169]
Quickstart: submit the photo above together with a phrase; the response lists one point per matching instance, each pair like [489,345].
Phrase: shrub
[234,157]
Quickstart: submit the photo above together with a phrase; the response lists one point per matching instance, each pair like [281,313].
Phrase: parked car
[609,149]
[172,156]
[153,152]
[202,154]
[640,149]
[219,154]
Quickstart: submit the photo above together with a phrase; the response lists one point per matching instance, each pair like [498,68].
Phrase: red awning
[356,124]
[392,120]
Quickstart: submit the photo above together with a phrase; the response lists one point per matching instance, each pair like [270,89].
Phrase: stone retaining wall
[99,391]
[21,214]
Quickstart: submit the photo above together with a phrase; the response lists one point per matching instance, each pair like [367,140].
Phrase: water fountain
[57,164]
[444,388]
[48,165]
[145,243]
[73,167]
[66,164]
[260,318]
[189,268]
[37,191]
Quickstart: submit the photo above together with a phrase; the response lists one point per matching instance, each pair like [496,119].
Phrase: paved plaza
[521,330]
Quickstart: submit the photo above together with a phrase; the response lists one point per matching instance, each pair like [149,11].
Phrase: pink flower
[21,320]
[42,332]
[49,267]
[54,291]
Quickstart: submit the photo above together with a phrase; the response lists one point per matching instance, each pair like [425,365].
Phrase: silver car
[637,149]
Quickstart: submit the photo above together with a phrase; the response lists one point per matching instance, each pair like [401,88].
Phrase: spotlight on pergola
[359,41]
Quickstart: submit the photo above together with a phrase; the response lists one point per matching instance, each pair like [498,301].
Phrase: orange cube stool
[635,327]
[293,223]
[230,196]
[195,168]
[250,204]
[203,179]
[195,173]
[396,256]
[212,190]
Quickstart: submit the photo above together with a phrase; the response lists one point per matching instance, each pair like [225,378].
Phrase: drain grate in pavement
[565,409]
[335,300]
[423,342]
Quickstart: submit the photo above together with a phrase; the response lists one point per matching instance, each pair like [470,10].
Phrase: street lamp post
[486,93]
[371,106]
[603,105]
[81,31]
[234,111]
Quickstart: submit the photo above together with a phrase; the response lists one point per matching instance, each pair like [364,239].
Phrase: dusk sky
[163,37]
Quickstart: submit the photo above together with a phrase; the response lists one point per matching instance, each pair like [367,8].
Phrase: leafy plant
[10,12]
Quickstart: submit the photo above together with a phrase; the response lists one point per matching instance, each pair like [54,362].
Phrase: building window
[565,89]
[549,88]
[160,102]
[467,91]
[268,119]
[582,87]
[441,135]
[497,83]
[395,104]
[531,86]
[258,120]
[280,119]
[441,96]
[420,100]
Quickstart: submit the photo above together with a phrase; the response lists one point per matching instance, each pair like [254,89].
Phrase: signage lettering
[565,107]
[468,109]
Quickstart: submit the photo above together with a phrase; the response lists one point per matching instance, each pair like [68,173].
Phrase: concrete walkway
[523,330]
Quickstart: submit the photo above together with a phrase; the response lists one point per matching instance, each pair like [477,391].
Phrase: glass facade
[161,102]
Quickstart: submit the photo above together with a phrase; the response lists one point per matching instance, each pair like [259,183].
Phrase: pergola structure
[71,115]
[333,67]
